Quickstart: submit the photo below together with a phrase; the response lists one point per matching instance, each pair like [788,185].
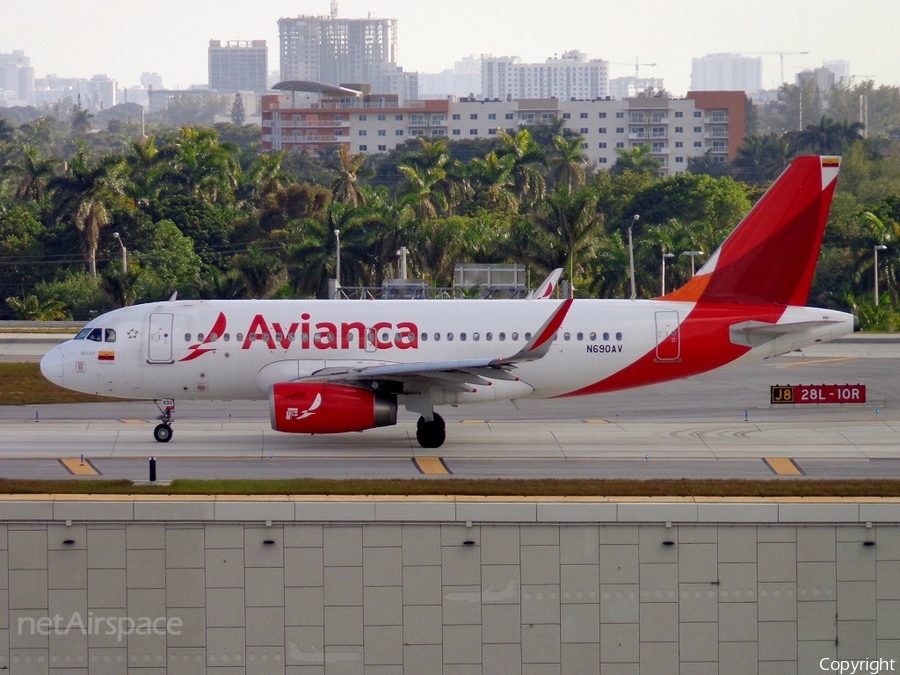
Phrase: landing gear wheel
[431,434]
[162,433]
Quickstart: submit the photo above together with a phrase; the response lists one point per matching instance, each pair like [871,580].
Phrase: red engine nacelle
[320,408]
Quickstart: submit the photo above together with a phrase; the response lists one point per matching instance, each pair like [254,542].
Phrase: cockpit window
[82,334]
[96,335]
[110,335]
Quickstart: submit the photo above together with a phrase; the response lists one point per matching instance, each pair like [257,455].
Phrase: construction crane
[780,56]
[637,66]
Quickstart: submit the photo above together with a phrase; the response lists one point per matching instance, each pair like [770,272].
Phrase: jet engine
[322,408]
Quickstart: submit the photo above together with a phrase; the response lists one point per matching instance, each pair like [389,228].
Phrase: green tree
[568,164]
[32,171]
[828,137]
[31,308]
[762,158]
[637,160]
[350,167]
[238,112]
[85,195]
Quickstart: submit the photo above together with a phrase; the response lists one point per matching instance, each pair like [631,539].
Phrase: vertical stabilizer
[771,255]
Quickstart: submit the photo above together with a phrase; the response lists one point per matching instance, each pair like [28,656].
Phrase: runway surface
[719,425]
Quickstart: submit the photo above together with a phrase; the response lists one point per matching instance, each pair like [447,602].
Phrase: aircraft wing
[446,373]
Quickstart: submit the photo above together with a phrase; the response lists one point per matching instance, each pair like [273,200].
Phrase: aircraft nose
[52,366]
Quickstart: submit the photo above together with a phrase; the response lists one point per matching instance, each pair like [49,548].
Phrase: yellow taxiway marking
[431,465]
[76,467]
[474,422]
[596,421]
[783,466]
[133,421]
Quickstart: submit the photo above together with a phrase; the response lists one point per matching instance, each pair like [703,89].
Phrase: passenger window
[593,336]
[606,337]
[239,337]
[213,337]
[226,337]
[462,337]
[488,336]
[291,337]
[514,336]
[450,336]
[278,337]
[502,336]
[527,336]
[424,337]
[437,337]
[199,337]
[619,337]
[567,336]
[110,335]
[96,335]
[187,337]
[580,336]
[475,336]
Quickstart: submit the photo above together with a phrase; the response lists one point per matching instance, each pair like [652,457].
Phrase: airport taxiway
[719,425]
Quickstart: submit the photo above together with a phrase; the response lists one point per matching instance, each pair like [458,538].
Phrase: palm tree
[33,172]
[571,220]
[828,137]
[569,162]
[637,160]
[84,196]
[199,165]
[762,158]
[345,187]
[528,183]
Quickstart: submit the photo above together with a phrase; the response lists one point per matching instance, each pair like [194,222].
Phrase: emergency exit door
[668,337]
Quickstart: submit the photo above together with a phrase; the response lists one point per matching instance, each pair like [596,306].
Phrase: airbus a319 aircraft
[331,366]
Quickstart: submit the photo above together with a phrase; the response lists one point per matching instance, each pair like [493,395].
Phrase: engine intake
[321,408]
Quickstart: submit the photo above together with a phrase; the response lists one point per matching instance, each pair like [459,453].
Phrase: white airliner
[347,365]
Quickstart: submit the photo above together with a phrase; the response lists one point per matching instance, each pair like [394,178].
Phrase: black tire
[162,433]
[431,434]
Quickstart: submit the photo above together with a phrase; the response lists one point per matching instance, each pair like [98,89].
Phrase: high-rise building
[630,87]
[16,79]
[727,72]
[238,65]
[566,77]
[334,50]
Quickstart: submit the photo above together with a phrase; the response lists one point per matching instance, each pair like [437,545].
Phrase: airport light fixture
[878,247]
[693,255]
[337,265]
[664,257]
[124,251]
[634,221]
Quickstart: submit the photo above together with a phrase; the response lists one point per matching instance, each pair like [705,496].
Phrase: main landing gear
[431,434]
[163,431]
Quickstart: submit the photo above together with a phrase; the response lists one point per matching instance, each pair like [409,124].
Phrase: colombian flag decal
[106,356]
[831,161]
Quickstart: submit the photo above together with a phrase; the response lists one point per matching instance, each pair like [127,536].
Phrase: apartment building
[238,65]
[571,76]
[674,129]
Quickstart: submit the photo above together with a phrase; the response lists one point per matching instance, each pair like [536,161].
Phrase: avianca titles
[336,366]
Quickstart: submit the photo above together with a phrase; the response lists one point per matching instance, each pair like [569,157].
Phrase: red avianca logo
[322,335]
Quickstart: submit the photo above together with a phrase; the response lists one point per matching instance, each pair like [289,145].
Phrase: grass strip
[470,487]
[23,384]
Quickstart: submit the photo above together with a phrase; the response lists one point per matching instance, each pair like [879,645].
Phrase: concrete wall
[456,586]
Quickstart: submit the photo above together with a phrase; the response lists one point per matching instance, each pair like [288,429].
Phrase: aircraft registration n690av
[331,366]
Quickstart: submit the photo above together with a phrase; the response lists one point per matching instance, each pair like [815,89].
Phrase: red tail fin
[771,255]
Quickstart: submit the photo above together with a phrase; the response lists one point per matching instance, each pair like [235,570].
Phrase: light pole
[337,265]
[879,247]
[693,254]
[402,255]
[634,221]
[124,251]
[664,256]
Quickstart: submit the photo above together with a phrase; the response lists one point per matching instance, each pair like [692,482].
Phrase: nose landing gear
[163,431]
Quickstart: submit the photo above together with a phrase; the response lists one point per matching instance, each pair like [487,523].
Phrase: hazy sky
[123,38]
